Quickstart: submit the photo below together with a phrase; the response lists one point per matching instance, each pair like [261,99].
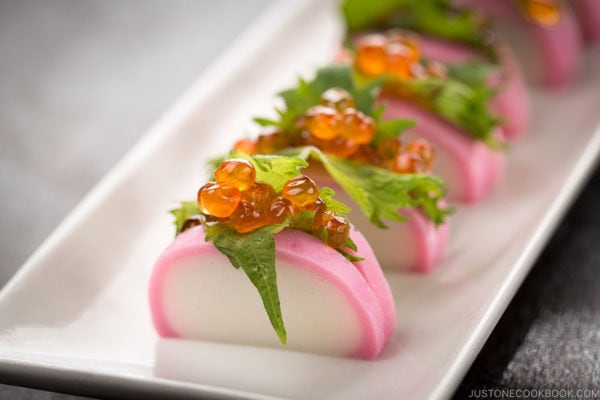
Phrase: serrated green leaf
[472,73]
[391,128]
[254,253]
[432,17]
[326,194]
[350,257]
[467,107]
[303,221]
[349,243]
[381,193]
[360,15]
[273,169]
[265,121]
[185,210]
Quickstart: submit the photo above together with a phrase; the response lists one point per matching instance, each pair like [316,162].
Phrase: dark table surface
[81,81]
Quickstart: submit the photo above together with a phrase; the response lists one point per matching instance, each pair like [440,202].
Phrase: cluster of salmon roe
[396,53]
[544,12]
[336,126]
[237,199]
[414,157]
[267,143]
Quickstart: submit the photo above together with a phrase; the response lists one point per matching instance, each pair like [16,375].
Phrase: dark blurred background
[82,80]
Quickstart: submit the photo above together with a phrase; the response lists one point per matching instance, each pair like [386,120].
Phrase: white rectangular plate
[77,311]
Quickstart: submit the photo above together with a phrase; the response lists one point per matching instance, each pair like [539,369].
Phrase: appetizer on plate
[334,122]
[451,105]
[458,37]
[262,226]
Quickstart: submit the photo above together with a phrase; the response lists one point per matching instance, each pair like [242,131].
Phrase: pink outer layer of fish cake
[588,14]
[429,241]
[511,103]
[364,285]
[559,46]
[479,167]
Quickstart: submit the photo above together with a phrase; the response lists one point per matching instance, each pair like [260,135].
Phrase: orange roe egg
[323,122]
[424,150]
[315,206]
[300,191]
[321,214]
[407,163]
[279,209]
[218,201]
[367,154]
[544,12]
[247,218]
[402,53]
[357,126]
[270,143]
[338,230]
[371,57]
[337,98]
[418,71]
[338,146]
[260,195]
[437,69]
[245,146]
[235,173]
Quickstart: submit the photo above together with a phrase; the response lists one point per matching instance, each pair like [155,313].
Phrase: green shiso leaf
[467,106]
[254,252]
[185,210]
[378,192]
[432,17]
[274,170]
[326,194]
[349,256]
[389,129]
[472,73]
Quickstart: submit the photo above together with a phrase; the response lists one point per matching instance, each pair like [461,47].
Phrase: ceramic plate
[76,317]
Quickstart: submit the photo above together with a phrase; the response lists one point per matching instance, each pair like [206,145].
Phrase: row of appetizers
[429,70]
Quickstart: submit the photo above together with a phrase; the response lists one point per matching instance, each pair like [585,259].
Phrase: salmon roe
[338,231]
[357,127]
[323,122]
[417,156]
[237,199]
[301,191]
[337,98]
[336,126]
[395,53]
[235,173]
[544,12]
[245,146]
[217,200]
[371,56]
